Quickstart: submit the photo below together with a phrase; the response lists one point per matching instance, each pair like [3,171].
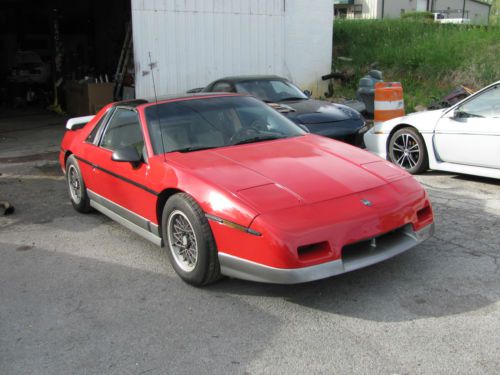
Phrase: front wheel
[407,149]
[189,241]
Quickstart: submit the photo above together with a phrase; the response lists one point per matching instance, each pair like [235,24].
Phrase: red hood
[282,173]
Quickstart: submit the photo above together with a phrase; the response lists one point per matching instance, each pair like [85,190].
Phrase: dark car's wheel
[189,241]
[76,186]
[407,149]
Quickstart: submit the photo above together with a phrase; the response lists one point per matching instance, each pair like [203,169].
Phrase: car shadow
[483,180]
[455,272]
[461,177]
[40,196]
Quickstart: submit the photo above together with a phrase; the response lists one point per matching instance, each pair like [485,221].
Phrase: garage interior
[60,44]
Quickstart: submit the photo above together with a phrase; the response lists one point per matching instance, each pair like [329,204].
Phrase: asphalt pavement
[79,294]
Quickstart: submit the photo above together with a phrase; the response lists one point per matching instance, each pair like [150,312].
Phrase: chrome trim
[233,266]
[127,218]
[232,225]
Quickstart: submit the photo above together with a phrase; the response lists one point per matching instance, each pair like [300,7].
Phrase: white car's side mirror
[458,113]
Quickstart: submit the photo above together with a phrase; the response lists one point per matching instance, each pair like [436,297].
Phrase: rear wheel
[189,241]
[76,186]
[407,149]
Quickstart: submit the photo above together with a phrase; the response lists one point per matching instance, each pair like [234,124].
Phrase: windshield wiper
[192,148]
[261,138]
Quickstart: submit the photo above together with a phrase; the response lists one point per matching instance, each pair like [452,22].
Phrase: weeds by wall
[428,58]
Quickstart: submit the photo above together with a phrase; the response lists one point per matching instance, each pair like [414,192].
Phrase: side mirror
[127,155]
[458,113]
[307,93]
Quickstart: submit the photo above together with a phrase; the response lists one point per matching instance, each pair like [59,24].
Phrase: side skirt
[466,169]
[127,218]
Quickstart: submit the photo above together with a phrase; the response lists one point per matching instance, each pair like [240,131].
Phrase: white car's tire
[407,149]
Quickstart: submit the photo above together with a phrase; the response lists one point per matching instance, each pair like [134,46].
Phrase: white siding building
[475,10]
[193,42]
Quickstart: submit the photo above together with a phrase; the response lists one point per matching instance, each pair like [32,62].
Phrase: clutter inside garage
[64,55]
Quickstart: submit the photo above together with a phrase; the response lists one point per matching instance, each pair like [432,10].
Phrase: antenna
[151,67]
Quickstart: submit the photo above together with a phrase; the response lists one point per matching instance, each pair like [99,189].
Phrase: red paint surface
[296,192]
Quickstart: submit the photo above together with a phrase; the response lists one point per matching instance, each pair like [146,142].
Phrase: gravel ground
[79,294]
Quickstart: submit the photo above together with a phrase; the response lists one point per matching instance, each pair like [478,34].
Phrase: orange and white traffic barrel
[389,102]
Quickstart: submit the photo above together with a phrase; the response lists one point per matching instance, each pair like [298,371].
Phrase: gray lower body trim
[247,270]
[127,218]
[389,247]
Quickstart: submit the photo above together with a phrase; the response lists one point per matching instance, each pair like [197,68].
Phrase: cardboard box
[87,98]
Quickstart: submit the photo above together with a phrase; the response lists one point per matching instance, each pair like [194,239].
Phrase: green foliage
[418,16]
[495,13]
[429,59]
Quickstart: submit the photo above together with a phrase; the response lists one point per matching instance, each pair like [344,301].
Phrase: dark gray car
[320,117]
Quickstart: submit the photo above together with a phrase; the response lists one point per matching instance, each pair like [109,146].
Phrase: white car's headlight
[367,126]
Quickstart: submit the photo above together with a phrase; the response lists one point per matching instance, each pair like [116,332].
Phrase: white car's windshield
[197,124]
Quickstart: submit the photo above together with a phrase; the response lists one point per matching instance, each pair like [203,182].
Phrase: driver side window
[485,105]
[124,130]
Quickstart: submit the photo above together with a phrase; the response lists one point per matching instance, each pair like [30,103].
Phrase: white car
[464,138]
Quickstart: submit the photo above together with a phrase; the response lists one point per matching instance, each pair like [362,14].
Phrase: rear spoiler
[78,122]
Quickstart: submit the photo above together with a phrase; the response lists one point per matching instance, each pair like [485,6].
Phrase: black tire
[178,209]
[80,203]
[407,149]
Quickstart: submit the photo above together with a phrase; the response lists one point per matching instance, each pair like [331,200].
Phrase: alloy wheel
[182,241]
[406,151]
[75,188]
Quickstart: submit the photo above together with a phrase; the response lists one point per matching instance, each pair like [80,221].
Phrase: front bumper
[348,131]
[376,143]
[354,257]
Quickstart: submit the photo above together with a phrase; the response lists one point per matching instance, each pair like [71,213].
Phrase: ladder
[121,69]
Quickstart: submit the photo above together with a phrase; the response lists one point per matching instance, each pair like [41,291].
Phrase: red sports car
[231,187]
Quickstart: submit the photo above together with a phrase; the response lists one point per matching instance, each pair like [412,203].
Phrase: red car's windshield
[198,124]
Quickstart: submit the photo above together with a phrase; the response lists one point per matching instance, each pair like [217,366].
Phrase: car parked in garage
[321,117]
[231,187]
[464,138]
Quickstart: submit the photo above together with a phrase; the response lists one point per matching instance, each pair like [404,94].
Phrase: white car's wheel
[407,149]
